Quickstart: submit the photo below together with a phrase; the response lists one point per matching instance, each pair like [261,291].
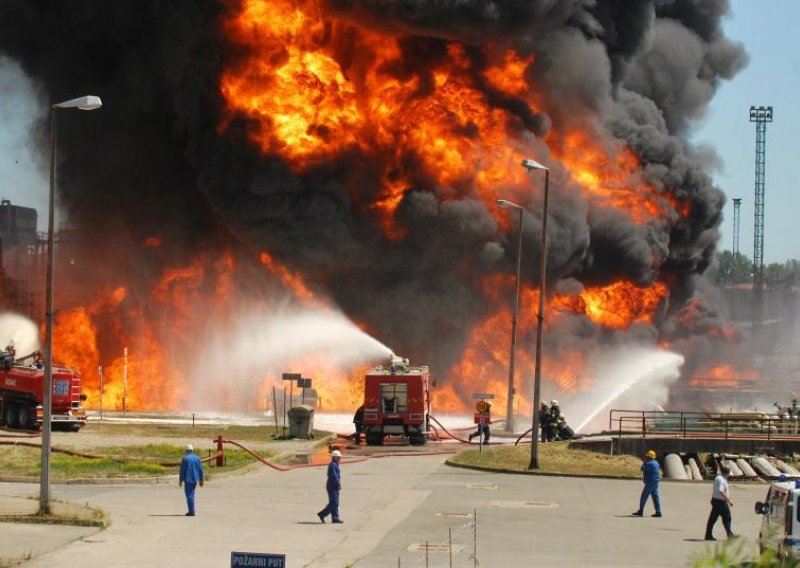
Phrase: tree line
[732,270]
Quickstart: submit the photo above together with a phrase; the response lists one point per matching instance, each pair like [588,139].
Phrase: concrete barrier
[784,467]
[763,467]
[695,469]
[673,467]
[747,470]
[735,470]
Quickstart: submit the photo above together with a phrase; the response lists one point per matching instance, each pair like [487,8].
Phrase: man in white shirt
[721,504]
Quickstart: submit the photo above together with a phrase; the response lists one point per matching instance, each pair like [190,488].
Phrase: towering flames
[359,148]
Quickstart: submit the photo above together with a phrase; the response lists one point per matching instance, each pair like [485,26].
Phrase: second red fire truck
[397,402]
[22,393]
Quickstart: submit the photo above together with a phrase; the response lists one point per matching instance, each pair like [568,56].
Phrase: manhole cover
[524,504]
[481,486]
[456,515]
[433,547]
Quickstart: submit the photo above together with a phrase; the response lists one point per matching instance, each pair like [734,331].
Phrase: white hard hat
[553,403]
[336,454]
[189,448]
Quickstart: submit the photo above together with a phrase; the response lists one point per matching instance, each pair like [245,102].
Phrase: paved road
[391,507]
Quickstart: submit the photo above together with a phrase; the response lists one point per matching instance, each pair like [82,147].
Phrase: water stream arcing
[637,377]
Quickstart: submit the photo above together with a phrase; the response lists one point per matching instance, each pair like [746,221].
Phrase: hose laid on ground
[277,467]
[525,433]
[12,433]
[94,457]
[454,437]
[436,436]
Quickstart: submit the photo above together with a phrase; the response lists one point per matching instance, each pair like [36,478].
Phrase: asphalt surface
[391,507]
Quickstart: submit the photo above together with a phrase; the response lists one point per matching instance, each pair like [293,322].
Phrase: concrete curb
[587,476]
[539,473]
[94,481]
[160,480]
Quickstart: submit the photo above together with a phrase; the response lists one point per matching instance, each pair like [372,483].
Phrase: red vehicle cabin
[397,402]
[22,394]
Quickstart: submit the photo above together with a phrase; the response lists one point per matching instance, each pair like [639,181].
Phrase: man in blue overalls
[191,474]
[651,476]
[333,486]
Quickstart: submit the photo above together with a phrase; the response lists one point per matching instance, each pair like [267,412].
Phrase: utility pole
[124,376]
[737,204]
[760,116]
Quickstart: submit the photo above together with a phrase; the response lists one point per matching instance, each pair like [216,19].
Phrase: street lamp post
[89,102]
[537,375]
[510,406]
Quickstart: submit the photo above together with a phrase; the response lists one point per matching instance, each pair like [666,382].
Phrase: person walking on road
[650,476]
[191,474]
[721,504]
[333,485]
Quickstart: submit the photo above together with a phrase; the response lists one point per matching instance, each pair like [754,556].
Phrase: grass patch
[61,513]
[115,462]
[238,432]
[553,458]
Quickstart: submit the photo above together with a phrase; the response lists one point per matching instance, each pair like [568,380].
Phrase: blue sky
[768,29]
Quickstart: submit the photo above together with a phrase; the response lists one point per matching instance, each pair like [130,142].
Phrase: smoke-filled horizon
[363,145]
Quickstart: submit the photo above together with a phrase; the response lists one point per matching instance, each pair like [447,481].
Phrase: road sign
[257,559]
[482,406]
[482,395]
[304,383]
[483,418]
[291,376]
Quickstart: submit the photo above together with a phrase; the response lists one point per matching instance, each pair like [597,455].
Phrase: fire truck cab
[22,393]
[397,401]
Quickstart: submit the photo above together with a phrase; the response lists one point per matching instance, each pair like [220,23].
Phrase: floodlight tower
[761,116]
[737,204]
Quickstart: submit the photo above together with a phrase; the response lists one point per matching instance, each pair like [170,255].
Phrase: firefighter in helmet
[553,421]
[544,420]
[483,429]
[358,423]
[7,356]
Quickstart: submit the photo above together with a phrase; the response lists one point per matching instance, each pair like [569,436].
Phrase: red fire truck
[397,401]
[22,393]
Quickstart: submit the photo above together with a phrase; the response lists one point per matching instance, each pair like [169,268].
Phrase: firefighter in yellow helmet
[651,475]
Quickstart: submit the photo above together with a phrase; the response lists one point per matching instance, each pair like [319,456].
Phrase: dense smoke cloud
[156,162]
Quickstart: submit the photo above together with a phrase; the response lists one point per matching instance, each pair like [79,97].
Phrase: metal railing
[702,424]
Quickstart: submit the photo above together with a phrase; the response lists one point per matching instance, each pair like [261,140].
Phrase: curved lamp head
[507,204]
[533,165]
[89,102]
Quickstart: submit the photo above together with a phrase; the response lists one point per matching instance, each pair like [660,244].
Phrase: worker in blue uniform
[191,474]
[333,485]
[650,476]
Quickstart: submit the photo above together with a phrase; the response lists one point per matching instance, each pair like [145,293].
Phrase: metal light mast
[737,203]
[761,116]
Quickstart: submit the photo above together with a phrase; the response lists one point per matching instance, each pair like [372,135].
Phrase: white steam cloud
[21,330]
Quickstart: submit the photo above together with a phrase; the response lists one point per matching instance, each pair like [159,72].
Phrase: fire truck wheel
[10,415]
[417,440]
[25,417]
[374,440]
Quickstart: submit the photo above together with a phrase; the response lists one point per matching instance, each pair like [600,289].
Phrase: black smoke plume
[155,162]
